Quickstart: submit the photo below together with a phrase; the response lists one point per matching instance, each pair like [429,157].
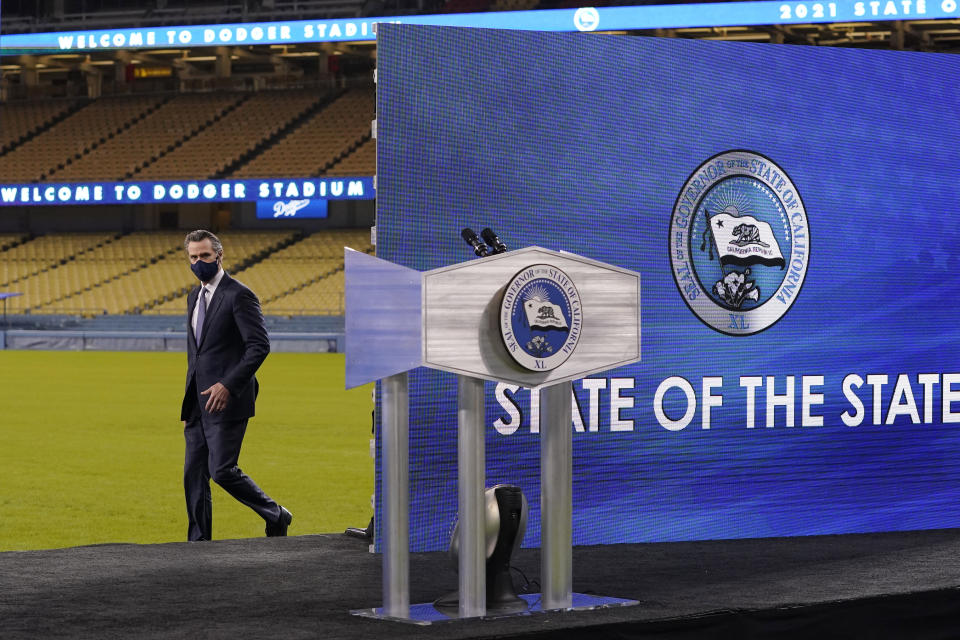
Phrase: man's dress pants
[212,451]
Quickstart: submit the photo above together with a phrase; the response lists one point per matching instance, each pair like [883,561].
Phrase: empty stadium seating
[323,297]
[7,240]
[313,264]
[147,272]
[166,276]
[25,118]
[362,162]
[76,135]
[217,146]
[289,132]
[34,267]
[154,135]
[320,141]
[188,137]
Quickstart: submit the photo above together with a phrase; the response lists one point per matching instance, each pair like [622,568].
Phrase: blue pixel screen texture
[840,415]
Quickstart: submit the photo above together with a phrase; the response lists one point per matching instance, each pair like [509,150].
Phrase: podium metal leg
[556,496]
[395,445]
[472,476]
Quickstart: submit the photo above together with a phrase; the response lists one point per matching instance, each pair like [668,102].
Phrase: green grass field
[91,448]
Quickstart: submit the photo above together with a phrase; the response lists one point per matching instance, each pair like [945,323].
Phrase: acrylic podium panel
[383,302]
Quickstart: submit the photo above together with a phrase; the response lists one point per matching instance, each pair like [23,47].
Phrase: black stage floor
[895,585]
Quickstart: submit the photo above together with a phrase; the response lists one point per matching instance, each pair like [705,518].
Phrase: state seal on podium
[541,317]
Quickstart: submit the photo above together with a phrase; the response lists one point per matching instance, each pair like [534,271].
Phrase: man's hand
[218,398]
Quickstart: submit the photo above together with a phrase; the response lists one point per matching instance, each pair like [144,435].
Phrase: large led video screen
[792,212]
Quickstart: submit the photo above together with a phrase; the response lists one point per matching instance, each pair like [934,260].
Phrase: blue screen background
[583,143]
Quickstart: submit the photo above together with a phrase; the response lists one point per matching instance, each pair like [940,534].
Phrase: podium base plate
[426,613]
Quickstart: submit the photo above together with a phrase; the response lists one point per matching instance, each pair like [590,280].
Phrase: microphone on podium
[470,237]
[491,239]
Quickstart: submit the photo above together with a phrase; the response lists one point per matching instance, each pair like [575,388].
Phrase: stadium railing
[68,340]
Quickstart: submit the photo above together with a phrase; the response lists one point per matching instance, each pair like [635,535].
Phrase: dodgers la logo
[541,316]
[739,242]
[286,209]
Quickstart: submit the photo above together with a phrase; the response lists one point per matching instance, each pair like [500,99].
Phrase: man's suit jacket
[233,344]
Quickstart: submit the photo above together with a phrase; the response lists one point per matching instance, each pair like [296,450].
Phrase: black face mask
[205,271]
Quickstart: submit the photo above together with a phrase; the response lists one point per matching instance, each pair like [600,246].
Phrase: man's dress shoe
[279,528]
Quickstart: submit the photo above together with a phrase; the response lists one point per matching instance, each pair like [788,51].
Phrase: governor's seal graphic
[739,242]
[541,317]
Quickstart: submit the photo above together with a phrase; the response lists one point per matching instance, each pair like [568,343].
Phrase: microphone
[470,237]
[491,239]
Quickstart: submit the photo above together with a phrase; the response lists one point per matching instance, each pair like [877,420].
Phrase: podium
[534,317]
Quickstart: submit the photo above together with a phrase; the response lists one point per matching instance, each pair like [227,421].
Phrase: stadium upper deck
[312,51]
[188,136]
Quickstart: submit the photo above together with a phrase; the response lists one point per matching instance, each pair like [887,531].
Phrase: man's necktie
[201,313]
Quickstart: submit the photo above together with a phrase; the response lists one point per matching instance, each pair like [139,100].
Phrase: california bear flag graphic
[543,314]
[744,240]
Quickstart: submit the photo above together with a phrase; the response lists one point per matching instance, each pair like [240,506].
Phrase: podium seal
[541,317]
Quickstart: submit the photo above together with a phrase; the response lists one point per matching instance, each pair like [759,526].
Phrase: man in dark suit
[226,344]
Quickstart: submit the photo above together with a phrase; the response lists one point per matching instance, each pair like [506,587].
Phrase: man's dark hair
[199,236]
